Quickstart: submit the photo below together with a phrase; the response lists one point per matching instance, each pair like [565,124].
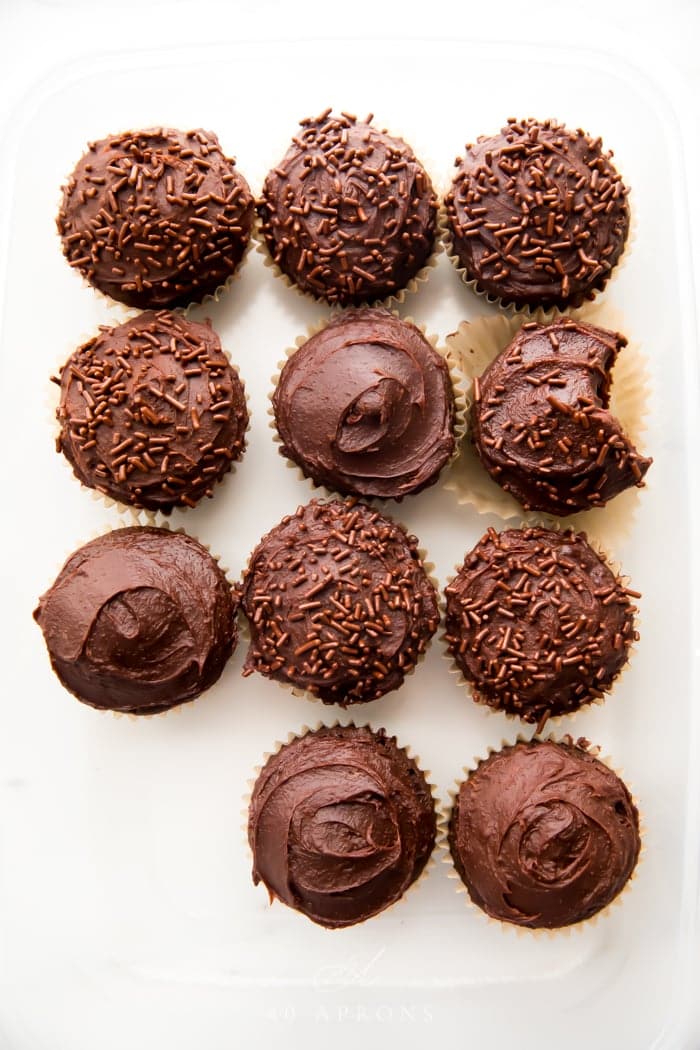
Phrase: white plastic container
[127,912]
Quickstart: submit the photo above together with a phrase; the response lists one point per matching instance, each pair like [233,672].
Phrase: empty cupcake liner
[438,809]
[468,688]
[167,527]
[474,346]
[512,929]
[136,515]
[532,312]
[305,694]
[459,426]
[390,301]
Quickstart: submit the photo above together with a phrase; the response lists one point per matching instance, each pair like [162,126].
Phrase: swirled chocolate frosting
[366,407]
[139,620]
[538,215]
[538,622]
[341,823]
[338,603]
[151,412]
[540,420]
[543,835]
[157,217]
[349,214]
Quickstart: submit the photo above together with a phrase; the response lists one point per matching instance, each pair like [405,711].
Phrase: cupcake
[338,602]
[157,217]
[540,421]
[543,835]
[366,407]
[349,215]
[538,623]
[341,823]
[138,620]
[537,215]
[151,412]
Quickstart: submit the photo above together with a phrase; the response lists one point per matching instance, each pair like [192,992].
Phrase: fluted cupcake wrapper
[167,527]
[136,515]
[459,393]
[474,346]
[511,929]
[530,313]
[438,809]
[414,282]
[468,688]
[305,694]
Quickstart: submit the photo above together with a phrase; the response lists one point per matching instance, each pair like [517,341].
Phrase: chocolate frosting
[338,603]
[341,822]
[139,620]
[538,214]
[540,420]
[157,217]
[543,835]
[349,214]
[366,407]
[538,622]
[151,412]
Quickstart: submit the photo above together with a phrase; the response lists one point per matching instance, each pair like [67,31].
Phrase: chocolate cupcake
[537,215]
[139,620]
[338,603]
[157,217]
[543,835]
[366,407]
[151,412]
[541,424]
[341,823]
[349,215]
[538,623]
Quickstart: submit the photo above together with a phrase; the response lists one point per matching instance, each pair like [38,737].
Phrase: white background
[38,36]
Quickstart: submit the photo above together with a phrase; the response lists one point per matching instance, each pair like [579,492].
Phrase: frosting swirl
[540,420]
[341,822]
[543,835]
[140,619]
[349,214]
[151,412]
[538,622]
[366,407]
[538,214]
[157,217]
[338,603]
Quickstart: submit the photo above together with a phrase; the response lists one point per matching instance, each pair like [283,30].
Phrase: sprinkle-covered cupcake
[366,407]
[538,623]
[151,412]
[537,215]
[341,823]
[338,603]
[541,424]
[157,217]
[139,620]
[543,835]
[349,214]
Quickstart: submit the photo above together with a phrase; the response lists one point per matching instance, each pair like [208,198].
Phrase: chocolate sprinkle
[538,622]
[349,214]
[338,603]
[151,412]
[538,215]
[157,217]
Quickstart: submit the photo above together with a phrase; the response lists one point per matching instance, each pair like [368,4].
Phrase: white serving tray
[127,912]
